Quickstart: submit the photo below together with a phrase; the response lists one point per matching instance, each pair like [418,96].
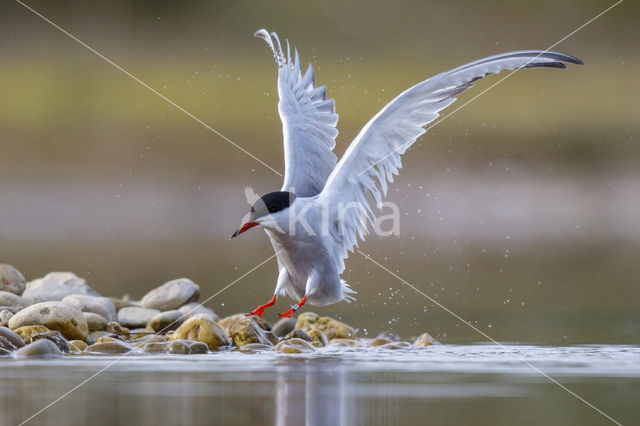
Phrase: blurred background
[519,213]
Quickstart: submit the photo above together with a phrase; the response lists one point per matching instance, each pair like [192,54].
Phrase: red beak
[244,228]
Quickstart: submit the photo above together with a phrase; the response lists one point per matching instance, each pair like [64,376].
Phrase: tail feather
[347,292]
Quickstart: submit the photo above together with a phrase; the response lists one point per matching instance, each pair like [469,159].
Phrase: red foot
[294,308]
[287,314]
[259,311]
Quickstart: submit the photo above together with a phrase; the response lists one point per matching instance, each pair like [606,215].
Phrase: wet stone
[110,347]
[298,334]
[42,348]
[425,340]
[294,346]
[65,318]
[198,348]
[284,326]
[77,345]
[331,327]
[318,338]
[345,342]
[166,321]
[227,322]
[95,322]
[179,347]
[397,345]
[155,347]
[11,280]
[11,337]
[29,330]
[102,306]
[97,335]
[246,330]
[389,335]
[135,317]
[202,329]
[255,347]
[171,295]
[55,286]
[55,337]
[380,341]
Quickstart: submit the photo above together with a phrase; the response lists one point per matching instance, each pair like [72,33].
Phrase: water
[446,384]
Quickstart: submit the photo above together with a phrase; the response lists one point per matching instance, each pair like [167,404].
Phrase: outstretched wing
[374,156]
[308,123]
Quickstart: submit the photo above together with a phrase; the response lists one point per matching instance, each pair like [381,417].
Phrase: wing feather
[374,156]
[308,122]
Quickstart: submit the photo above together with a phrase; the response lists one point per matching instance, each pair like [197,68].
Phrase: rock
[246,330]
[55,286]
[284,326]
[397,345]
[332,328]
[110,347]
[97,335]
[344,342]
[194,308]
[5,316]
[298,334]
[42,348]
[27,331]
[65,318]
[179,347]
[203,329]
[123,302]
[171,295]
[11,279]
[155,347]
[4,351]
[425,340]
[294,346]
[318,338]
[95,322]
[227,322]
[77,345]
[149,338]
[55,337]
[198,348]
[380,341]
[115,328]
[102,306]
[11,338]
[12,302]
[135,317]
[255,347]
[166,321]
[389,335]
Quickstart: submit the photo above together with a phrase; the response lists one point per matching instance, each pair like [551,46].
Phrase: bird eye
[252,210]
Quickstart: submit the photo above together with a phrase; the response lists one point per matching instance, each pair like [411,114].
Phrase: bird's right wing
[374,155]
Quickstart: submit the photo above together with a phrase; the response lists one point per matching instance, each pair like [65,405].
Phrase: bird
[326,206]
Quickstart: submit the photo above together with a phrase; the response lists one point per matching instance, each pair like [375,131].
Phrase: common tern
[325,205]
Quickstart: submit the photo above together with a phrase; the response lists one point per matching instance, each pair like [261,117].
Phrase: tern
[325,205]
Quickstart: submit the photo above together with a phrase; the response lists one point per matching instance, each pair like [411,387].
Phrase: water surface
[446,384]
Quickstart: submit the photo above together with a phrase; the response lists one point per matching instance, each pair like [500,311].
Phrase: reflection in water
[306,394]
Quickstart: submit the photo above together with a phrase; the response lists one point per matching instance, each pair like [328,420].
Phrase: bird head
[263,209]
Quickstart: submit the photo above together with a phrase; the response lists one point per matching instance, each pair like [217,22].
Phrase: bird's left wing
[308,122]
[374,155]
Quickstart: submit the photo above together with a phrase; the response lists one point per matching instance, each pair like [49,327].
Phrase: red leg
[294,308]
[259,311]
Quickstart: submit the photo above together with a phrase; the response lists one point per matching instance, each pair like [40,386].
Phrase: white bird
[323,206]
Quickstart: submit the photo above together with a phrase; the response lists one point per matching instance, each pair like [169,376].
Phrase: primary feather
[308,122]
